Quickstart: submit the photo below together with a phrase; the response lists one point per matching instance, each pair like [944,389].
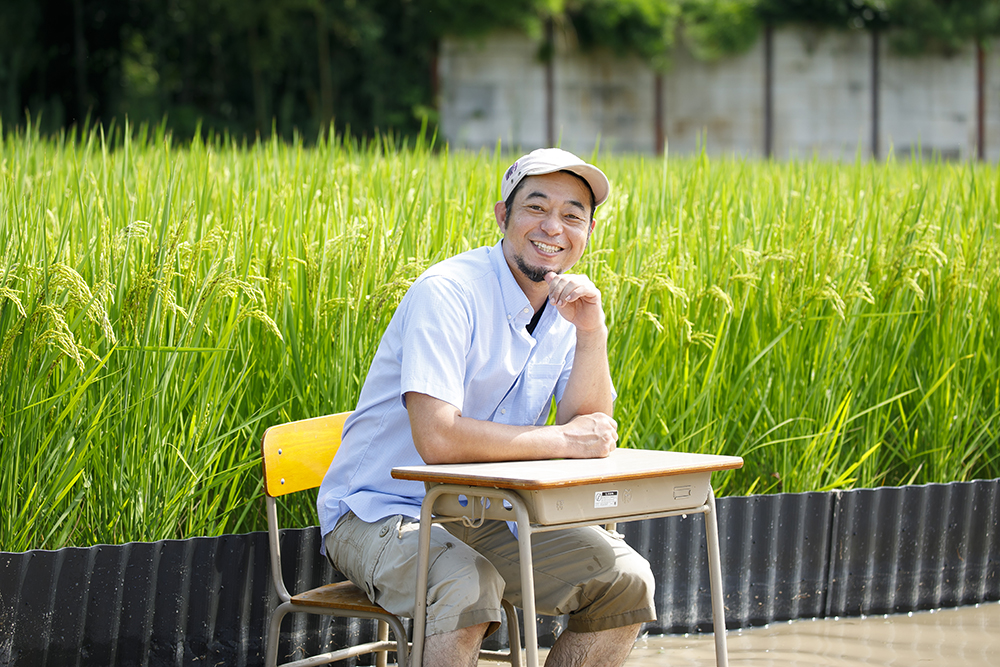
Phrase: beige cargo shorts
[588,573]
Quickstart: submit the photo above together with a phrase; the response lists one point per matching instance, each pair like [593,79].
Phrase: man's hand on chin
[577,299]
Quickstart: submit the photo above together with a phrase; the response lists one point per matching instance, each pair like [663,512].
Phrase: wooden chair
[296,457]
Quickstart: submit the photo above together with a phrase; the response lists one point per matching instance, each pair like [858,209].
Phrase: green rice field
[161,304]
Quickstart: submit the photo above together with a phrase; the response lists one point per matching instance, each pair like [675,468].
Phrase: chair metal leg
[513,633]
[381,657]
[274,632]
[715,577]
[402,648]
[385,623]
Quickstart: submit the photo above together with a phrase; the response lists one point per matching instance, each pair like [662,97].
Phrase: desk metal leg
[527,570]
[423,561]
[527,581]
[524,552]
[715,577]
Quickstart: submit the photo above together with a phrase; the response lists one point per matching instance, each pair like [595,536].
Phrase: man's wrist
[590,338]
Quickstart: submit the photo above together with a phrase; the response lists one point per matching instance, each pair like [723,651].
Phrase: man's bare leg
[606,648]
[459,647]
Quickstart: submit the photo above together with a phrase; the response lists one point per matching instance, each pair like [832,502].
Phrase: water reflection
[967,636]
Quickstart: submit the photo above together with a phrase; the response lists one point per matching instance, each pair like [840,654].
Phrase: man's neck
[536,293]
[536,297]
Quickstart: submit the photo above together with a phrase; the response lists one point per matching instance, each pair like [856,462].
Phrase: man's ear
[593,223]
[500,213]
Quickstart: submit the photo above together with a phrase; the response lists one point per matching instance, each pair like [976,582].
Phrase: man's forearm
[589,387]
[442,435]
[588,390]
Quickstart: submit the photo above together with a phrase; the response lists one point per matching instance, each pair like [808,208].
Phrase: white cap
[550,160]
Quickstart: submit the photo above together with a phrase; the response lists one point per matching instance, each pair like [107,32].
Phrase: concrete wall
[492,90]
[720,105]
[822,99]
[604,97]
[929,105]
[992,133]
[822,94]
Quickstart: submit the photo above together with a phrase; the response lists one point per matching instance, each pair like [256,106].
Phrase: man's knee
[464,590]
[631,579]
[620,596]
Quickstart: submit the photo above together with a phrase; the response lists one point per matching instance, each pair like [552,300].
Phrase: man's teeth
[545,247]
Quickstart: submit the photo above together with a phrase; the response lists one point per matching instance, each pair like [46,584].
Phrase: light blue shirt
[458,335]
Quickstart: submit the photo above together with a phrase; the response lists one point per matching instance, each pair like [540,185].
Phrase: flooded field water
[963,637]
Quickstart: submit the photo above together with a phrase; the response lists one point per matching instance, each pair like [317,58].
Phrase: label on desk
[635,497]
[605,499]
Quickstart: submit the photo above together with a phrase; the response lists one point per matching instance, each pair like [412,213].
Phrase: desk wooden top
[621,465]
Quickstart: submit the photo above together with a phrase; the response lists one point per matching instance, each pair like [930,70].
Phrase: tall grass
[836,325]
[160,305]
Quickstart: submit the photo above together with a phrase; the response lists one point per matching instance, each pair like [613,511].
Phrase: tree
[943,26]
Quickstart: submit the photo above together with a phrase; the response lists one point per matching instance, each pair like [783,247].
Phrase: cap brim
[595,178]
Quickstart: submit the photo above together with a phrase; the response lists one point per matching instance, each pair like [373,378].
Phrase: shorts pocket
[357,547]
[388,531]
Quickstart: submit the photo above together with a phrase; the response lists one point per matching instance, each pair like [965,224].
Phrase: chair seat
[342,595]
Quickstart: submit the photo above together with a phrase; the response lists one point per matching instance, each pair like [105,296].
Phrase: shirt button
[525,311]
[503,411]
[508,316]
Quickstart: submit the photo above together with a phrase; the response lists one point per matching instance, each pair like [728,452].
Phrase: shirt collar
[516,306]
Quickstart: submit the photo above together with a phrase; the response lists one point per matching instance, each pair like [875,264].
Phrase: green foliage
[915,26]
[718,28]
[473,19]
[160,306]
[20,55]
[944,26]
[242,67]
[245,68]
[842,14]
[636,27]
[647,28]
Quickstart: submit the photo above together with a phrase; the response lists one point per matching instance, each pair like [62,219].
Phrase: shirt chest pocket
[535,393]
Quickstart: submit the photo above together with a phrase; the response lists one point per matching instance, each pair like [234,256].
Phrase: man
[466,372]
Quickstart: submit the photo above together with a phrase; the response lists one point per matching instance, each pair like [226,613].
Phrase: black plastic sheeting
[206,601]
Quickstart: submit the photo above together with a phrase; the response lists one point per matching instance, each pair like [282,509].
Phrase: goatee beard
[535,274]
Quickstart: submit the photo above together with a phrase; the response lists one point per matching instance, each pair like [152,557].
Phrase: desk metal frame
[480,509]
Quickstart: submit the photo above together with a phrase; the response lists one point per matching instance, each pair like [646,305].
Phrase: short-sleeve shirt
[458,335]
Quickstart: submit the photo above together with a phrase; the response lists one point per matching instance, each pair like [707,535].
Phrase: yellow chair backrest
[298,454]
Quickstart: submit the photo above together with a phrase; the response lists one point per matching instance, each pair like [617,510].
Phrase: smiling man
[466,372]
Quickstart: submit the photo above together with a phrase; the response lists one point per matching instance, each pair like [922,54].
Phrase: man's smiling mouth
[545,247]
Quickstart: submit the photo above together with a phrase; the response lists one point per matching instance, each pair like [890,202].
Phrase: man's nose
[551,225]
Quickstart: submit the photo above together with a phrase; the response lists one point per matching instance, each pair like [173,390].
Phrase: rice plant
[161,305]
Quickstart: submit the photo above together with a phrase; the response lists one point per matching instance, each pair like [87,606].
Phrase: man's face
[548,226]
